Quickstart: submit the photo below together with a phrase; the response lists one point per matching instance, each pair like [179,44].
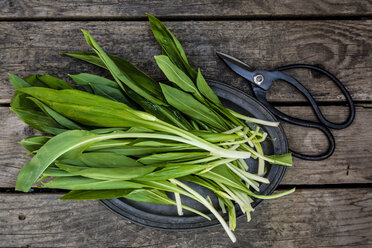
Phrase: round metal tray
[166,217]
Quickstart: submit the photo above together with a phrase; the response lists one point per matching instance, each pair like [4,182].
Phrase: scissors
[261,81]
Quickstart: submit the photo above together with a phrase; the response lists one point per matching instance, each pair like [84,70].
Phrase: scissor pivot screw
[258,79]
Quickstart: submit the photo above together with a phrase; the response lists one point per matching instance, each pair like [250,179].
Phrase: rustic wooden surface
[307,218]
[182,8]
[342,47]
[332,206]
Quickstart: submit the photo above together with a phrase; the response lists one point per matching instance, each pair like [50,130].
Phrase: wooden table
[332,206]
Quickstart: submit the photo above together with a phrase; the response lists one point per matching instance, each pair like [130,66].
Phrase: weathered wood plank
[341,46]
[349,164]
[307,218]
[182,8]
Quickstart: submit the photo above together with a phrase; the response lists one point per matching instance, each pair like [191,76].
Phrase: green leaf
[48,153]
[117,173]
[214,137]
[170,46]
[84,183]
[173,171]
[282,159]
[34,81]
[17,82]
[174,74]
[106,159]
[56,172]
[34,143]
[139,150]
[88,109]
[188,105]
[53,82]
[124,66]
[30,114]
[172,156]
[118,75]
[60,119]
[165,113]
[95,194]
[205,90]
[102,87]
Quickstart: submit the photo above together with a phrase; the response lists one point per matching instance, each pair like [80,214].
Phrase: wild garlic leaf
[205,90]
[84,183]
[31,114]
[53,82]
[106,159]
[282,159]
[171,46]
[125,67]
[118,75]
[174,171]
[56,172]
[187,104]
[172,157]
[60,119]
[115,173]
[87,109]
[33,143]
[18,82]
[174,74]
[95,194]
[140,151]
[165,113]
[48,153]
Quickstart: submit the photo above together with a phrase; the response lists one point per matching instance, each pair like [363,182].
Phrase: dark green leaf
[60,119]
[34,143]
[56,172]
[48,153]
[84,183]
[205,90]
[188,105]
[174,74]
[30,113]
[173,171]
[282,159]
[118,75]
[117,173]
[106,159]
[172,156]
[53,82]
[170,46]
[95,194]
[17,82]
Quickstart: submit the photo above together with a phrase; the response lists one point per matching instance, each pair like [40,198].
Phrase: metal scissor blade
[237,66]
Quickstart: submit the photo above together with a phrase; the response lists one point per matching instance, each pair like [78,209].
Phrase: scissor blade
[235,61]
[237,66]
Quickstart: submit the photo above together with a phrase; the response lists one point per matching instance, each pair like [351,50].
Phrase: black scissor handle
[314,105]
[261,96]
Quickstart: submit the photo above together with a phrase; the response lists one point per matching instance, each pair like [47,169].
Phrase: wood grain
[307,218]
[181,8]
[343,47]
[349,164]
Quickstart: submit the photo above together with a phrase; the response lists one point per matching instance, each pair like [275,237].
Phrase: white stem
[207,205]
[235,129]
[239,174]
[179,203]
[254,120]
